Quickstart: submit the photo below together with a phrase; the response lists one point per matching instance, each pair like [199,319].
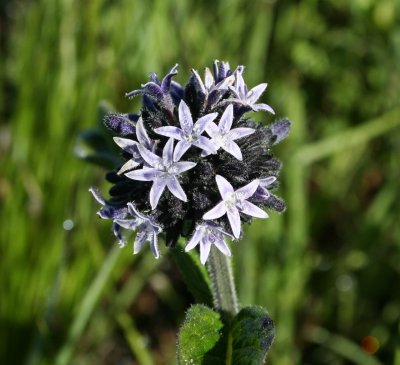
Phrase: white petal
[183,166]
[205,144]
[197,236]
[226,120]
[200,81]
[232,148]
[135,213]
[254,94]
[237,133]
[180,149]
[125,143]
[248,190]
[224,186]
[218,211]
[261,106]
[147,174]
[208,79]
[129,165]
[154,245]
[151,158]
[142,136]
[201,123]
[204,250]
[252,210]
[169,131]
[264,182]
[176,188]
[96,194]
[140,240]
[234,221]
[212,130]
[168,152]
[222,246]
[156,191]
[185,117]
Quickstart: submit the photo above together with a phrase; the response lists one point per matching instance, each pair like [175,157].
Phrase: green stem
[223,285]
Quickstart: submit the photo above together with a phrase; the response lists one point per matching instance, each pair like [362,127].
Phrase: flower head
[228,172]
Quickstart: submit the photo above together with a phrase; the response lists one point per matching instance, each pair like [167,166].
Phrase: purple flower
[235,202]
[189,135]
[148,229]
[132,147]
[245,97]
[163,172]
[262,193]
[222,136]
[207,234]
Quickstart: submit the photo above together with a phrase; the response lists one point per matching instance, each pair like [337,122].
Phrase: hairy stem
[223,285]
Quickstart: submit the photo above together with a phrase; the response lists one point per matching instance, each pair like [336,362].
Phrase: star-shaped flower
[223,136]
[235,202]
[132,147]
[189,134]
[110,212]
[207,234]
[148,229]
[248,98]
[163,172]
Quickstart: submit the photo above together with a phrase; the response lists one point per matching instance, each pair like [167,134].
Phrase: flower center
[230,200]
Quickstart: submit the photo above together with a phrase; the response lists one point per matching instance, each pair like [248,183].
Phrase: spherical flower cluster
[195,165]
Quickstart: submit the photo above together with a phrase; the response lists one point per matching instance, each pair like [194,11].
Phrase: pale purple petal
[96,194]
[218,211]
[222,246]
[142,136]
[185,117]
[224,187]
[205,247]
[183,166]
[156,191]
[232,148]
[254,94]
[196,237]
[127,223]
[140,240]
[129,165]
[176,188]
[212,130]
[168,152]
[248,190]
[237,133]
[225,83]
[252,210]
[154,245]
[261,106]
[226,120]
[126,144]
[148,174]
[135,213]
[180,149]
[240,84]
[208,79]
[234,221]
[199,81]
[267,181]
[202,122]
[151,158]
[205,144]
[169,131]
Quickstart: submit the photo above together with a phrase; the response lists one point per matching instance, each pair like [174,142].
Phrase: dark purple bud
[119,124]
[280,129]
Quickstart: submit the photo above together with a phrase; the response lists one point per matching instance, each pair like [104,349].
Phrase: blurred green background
[327,270]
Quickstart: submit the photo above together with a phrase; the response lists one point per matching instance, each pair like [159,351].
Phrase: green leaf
[252,333]
[198,335]
[194,274]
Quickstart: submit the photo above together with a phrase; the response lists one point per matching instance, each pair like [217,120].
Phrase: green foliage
[193,273]
[252,335]
[204,339]
[198,335]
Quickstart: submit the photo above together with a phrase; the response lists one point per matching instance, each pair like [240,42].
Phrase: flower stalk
[223,285]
